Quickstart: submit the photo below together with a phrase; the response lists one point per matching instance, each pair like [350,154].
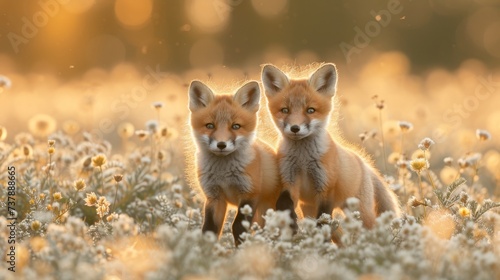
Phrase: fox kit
[317,173]
[232,167]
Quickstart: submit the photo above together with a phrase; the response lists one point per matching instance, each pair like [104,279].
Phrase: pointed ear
[200,95]
[324,80]
[248,96]
[273,79]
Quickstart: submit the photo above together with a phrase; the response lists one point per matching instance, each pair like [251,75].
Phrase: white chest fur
[301,162]
[225,175]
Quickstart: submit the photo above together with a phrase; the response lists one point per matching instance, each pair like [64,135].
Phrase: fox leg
[325,207]
[309,209]
[238,228]
[287,201]
[215,212]
[367,211]
[261,210]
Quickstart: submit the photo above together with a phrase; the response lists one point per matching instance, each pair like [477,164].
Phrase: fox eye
[311,110]
[285,110]
[210,126]
[236,126]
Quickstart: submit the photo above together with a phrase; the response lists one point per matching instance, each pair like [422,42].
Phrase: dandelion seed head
[142,134]
[463,163]
[246,210]
[425,144]
[157,105]
[51,150]
[352,203]
[403,164]
[152,126]
[405,126]
[245,224]
[177,188]
[474,159]
[483,135]
[362,136]
[448,161]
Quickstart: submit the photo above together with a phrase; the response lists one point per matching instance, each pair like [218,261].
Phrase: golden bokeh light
[492,39]
[478,23]
[441,223]
[208,16]
[133,14]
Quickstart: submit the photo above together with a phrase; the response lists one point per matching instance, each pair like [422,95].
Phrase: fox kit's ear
[273,79]
[248,96]
[200,95]
[324,80]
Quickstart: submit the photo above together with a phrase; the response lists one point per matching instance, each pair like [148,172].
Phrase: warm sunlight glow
[208,16]
[79,6]
[133,14]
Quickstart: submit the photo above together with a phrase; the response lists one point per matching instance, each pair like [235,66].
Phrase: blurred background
[97,66]
[53,35]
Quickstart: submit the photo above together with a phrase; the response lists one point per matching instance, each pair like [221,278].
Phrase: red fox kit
[232,167]
[315,170]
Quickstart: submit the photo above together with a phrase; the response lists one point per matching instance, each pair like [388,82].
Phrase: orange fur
[318,173]
[232,167]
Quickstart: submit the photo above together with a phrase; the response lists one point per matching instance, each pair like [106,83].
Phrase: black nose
[295,128]
[221,145]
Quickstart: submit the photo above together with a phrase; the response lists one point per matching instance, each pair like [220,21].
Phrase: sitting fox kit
[232,167]
[317,173]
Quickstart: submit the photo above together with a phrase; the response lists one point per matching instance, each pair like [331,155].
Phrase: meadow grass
[121,207]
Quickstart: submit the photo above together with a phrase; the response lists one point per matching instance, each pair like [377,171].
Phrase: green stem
[421,191]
